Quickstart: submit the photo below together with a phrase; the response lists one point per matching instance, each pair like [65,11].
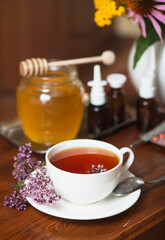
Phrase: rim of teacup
[82,140]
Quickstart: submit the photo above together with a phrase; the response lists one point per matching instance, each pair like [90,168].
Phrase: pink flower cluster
[154,15]
[38,186]
[97,169]
[24,164]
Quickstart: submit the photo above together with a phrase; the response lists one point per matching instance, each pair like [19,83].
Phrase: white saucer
[108,207]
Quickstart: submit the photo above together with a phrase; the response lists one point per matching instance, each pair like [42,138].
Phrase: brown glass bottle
[116,98]
[117,105]
[98,109]
[147,114]
[98,118]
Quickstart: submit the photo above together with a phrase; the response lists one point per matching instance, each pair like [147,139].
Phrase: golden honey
[50,107]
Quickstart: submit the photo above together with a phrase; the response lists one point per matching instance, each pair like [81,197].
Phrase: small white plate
[107,207]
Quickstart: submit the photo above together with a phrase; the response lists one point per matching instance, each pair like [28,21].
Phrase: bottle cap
[116,80]
[147,93]
[147,90]
[97,94]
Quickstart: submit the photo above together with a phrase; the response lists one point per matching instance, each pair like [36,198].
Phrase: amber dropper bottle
[147,107]
[116,98]
[98,109]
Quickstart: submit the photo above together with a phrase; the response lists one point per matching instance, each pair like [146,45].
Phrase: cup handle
[130,159]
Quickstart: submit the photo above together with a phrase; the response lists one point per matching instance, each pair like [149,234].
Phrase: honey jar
[50,107]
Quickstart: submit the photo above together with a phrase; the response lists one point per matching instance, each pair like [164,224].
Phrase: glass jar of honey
[50,107]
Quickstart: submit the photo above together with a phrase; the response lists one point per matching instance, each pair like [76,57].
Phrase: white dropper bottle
[98,109]
[97,94]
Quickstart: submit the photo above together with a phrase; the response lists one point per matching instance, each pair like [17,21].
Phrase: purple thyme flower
[98,169]
[40,187]
[24,164]
[15,200]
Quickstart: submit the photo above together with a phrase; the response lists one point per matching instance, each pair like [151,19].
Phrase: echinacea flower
[139,9]
[150,14]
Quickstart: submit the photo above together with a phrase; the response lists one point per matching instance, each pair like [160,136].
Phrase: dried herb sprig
[97,169]
[39,186]
[15,200]
[24,164]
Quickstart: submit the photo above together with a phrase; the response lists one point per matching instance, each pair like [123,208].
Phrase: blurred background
[56,29]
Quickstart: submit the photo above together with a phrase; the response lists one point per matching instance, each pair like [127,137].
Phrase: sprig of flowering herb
[24,164]
[98,169]
[15,200]
[39,186]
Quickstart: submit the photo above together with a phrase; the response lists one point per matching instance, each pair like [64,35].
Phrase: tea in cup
[85,171]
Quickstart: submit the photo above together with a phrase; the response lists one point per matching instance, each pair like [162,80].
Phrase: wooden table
[145,217]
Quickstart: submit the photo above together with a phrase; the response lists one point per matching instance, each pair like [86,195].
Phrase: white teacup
[86,188]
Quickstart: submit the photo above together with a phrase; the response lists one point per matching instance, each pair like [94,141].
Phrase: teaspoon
[132,184]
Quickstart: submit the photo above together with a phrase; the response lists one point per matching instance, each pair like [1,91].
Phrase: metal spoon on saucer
[132,184]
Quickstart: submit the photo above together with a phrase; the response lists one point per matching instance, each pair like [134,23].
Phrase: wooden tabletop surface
[144,215]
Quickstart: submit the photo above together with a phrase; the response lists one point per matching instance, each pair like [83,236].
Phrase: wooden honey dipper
[39,66]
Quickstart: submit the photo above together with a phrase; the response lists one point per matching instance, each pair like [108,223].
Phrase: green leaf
[144,43]
[20,185]
[43,163]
